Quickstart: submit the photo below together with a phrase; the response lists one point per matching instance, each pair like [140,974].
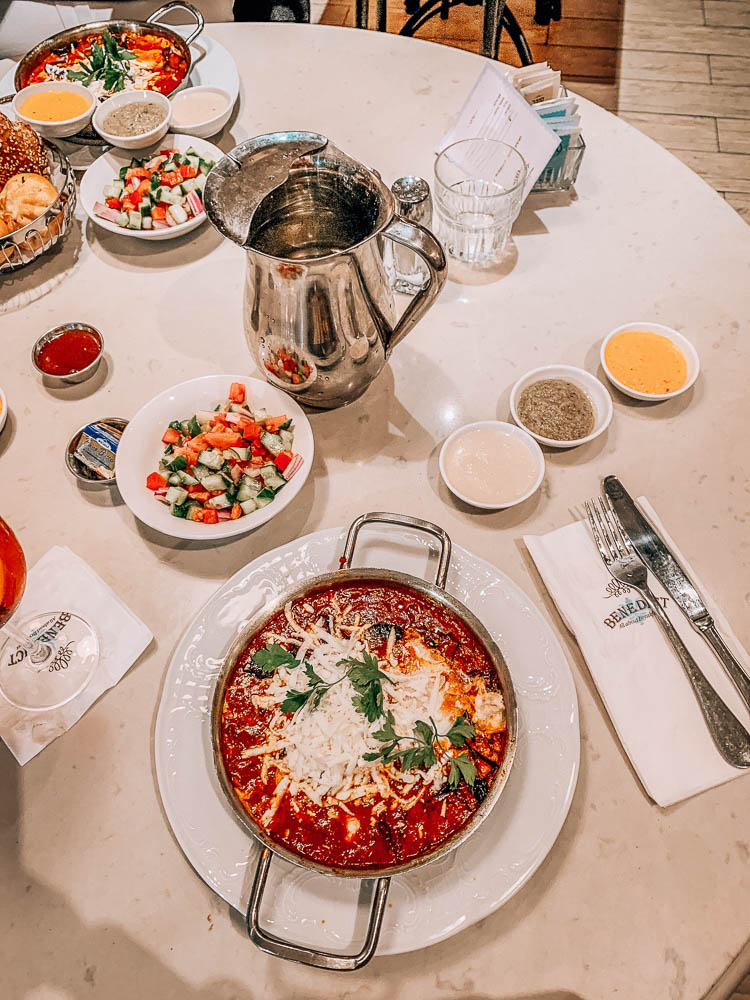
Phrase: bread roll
[26,197]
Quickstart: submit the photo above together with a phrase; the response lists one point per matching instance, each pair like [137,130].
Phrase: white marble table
[633,901]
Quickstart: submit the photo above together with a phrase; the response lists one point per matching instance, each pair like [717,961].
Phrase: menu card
[496,110]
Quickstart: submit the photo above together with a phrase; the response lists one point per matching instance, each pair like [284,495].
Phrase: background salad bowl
[141,449]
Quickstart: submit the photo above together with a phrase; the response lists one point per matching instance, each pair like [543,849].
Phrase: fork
[731,738]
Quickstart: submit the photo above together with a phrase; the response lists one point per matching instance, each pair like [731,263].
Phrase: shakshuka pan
[362,725]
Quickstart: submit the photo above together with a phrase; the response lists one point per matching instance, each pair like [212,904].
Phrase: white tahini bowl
[141,448]
[210,126]
[55,130]
[680,342]
[594,389]
[512,431]
[143,140]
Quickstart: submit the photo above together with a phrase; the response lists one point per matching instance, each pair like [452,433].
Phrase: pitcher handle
[423,243]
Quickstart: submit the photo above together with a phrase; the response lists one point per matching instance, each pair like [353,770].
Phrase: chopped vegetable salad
[159,193]
[221,464]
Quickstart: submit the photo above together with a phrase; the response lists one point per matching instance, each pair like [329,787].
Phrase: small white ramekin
[594,389]
[680,342]
[143,140]
[55,130]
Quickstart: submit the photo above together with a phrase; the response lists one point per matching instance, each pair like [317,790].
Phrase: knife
[663,564]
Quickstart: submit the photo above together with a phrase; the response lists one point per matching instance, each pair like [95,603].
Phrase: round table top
[633,900]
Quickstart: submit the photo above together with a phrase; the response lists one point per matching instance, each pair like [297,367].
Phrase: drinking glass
[479,185]
[48,659]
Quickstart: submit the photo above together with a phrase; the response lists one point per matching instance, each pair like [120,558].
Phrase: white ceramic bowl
[594,389]
[3,409]
[145,139]
[210,126]
[141,448]
[513,431]
[103,171]
[55,130]
[683,345]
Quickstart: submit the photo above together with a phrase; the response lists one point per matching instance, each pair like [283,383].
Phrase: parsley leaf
[461,731]
[295,700]
[461,767]
[366,678]
[273,656]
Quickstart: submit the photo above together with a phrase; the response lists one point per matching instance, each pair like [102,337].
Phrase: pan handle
[279,948]
[404,521]
[180,5]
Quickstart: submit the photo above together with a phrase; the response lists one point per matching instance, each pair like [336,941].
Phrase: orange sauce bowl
[677,340]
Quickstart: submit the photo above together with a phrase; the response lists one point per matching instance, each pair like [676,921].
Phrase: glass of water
[479,187]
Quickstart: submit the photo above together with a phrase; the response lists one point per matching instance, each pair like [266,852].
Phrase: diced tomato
[236,389]
[290,365]
[137,172]
[210,516]
[115,203]
[283,459]
[170,436]
[222,439]
[187,171]
[159,212]
[295,379]
[198,493]
[172,179]
[135,197]
[167,152]
[250,430]
[155,481]
[219,419]
[144,188]
[236,511]
[273,423]
[128,205]
[197,514]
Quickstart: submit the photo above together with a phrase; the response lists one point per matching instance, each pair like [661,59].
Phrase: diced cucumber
[202,472]
[261,500]
[272,442]
[174,479]
[248,506]
[287,438]
[122,219]
[176,495]
[212,458]
[185,428]
[148,222]
[193,160]
[178,214]
[241,454]
[200,180]
[134,220]
[214,482]
[118,187]
[272,477]
[247,490]
[110,191]
[188,185]
[260,416]
[170,196]
[156,194]
[219,503]
[187,479]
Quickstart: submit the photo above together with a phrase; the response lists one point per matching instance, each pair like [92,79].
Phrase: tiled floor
[679,70]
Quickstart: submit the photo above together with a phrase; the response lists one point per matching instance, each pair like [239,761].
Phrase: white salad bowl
[133,142]
[209,126]
[103,171]
[141,448]
[55,130]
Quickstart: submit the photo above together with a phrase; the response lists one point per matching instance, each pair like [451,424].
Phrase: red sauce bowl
[68,354]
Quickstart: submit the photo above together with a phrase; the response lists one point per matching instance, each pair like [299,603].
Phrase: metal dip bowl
[435,592]
[58,381]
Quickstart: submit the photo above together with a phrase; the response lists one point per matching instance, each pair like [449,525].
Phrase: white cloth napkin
[62,581]
[640,680]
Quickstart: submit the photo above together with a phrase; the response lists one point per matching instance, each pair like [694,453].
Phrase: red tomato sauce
[321,833]
[71,352]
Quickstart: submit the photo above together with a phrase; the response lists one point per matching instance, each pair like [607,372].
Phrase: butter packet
[97,447]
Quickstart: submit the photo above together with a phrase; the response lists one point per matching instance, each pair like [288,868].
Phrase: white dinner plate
[424,906]
[103,172]
[141,448]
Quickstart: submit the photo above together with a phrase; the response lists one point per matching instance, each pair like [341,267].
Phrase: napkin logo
[632,612]
[616,588]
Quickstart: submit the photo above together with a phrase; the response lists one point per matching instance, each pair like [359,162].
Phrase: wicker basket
[34,239]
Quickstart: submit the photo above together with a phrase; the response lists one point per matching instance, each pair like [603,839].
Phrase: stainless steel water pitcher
[319,313]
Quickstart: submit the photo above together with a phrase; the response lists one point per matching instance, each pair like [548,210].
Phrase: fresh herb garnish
[273,656]
[366,678]
[108,62]
[193,426]
[420,755]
